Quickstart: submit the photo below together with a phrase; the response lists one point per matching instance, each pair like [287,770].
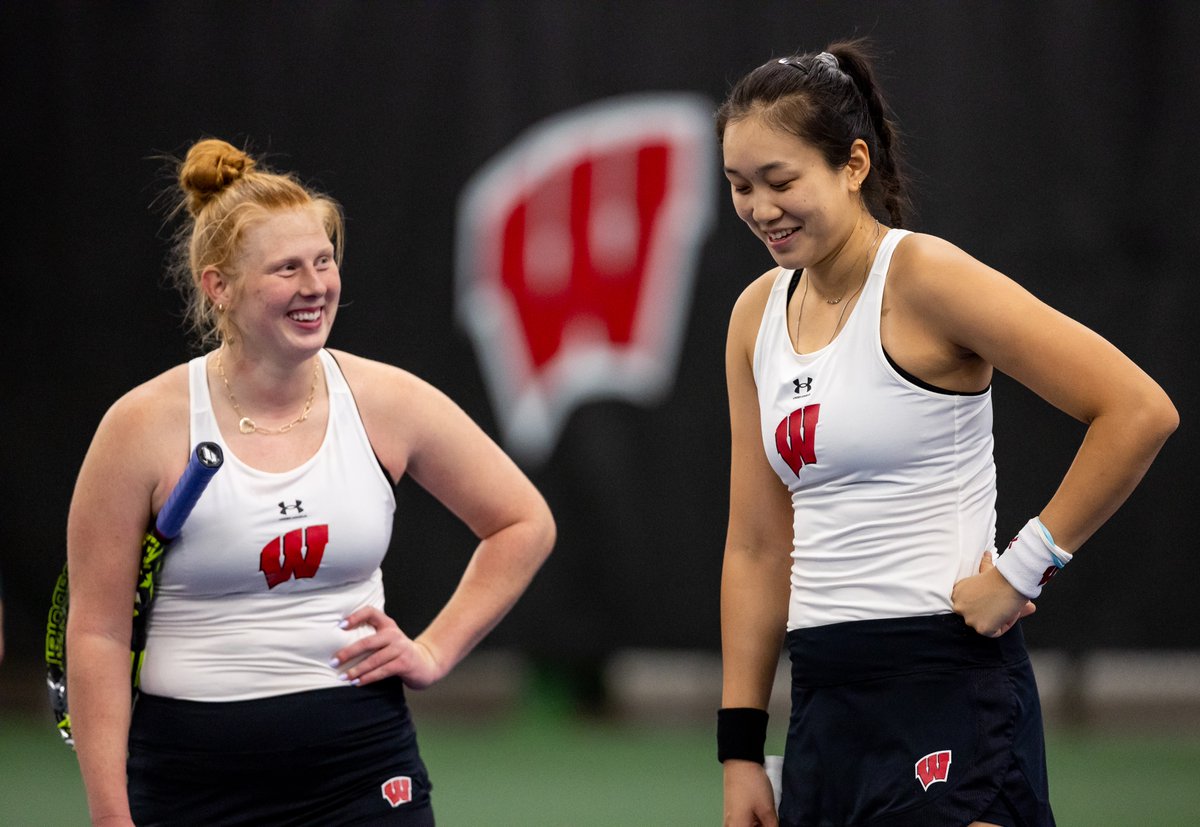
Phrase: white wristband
[1031,559]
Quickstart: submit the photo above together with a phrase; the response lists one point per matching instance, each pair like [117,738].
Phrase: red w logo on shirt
[796,437]
[933,767]
[296,554]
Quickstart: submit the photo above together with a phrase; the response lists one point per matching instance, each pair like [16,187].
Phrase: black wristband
[741,733]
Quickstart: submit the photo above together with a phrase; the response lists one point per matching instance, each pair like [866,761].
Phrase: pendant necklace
[838,300]
[247,425]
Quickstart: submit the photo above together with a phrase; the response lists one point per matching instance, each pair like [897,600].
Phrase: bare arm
[757,562]
[468,472]
[1128,416]
[422,431]
[111,506]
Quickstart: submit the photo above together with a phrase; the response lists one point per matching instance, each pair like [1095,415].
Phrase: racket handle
[206,459]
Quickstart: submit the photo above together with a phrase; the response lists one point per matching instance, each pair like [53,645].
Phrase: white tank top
[268,563]
[893,484]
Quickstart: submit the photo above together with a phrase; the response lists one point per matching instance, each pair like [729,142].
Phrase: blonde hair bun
[211,165]
[221,191]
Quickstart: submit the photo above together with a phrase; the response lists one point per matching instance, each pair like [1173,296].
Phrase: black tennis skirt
[340,756]
[913,722]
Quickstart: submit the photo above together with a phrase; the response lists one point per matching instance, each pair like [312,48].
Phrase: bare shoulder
[399,410]
[926,264]
[376,383]
[747,312]
[417,431]
[948,292]
[922,247]
[753,299]
[153,413]
[140,444]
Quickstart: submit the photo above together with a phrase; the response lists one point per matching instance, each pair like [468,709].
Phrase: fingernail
[343,623]
[343,677]
[354,682]
[334,661]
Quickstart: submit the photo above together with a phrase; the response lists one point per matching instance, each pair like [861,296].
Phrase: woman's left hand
[987,602]
[386,653]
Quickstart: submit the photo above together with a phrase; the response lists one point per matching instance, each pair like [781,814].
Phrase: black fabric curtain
[1052,140]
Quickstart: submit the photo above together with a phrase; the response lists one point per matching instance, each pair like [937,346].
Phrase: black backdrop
[1054,140]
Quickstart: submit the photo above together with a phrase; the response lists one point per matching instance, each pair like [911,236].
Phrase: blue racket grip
[206,460]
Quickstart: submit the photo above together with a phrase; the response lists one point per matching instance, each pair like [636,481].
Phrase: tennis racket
[205,461]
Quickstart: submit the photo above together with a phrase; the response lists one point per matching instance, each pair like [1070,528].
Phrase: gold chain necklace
[247,425]
[861,284]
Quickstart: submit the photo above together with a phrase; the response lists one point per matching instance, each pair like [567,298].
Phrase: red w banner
[576,251]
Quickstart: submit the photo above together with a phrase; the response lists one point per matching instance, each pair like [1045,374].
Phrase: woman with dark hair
[859,373]
[272,690]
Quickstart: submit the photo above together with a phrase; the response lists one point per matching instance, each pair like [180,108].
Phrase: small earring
[220,308]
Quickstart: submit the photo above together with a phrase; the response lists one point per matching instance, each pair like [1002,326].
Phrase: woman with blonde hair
[272,690]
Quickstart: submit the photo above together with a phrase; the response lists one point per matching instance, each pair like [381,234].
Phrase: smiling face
[285,296]
[802,209]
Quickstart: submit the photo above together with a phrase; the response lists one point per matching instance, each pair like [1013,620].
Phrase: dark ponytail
[830,100]
[856,58]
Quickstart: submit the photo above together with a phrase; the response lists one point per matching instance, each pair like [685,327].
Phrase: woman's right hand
[749,799]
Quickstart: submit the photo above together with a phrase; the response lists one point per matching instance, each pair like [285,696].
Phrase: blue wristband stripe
[1052,546]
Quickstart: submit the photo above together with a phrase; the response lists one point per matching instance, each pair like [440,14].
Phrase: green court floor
[556,771]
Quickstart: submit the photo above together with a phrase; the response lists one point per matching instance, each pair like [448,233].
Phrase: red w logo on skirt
[933,767]
[397,790]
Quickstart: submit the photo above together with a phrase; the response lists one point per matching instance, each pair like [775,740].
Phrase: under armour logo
[284,508]
[803,386]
